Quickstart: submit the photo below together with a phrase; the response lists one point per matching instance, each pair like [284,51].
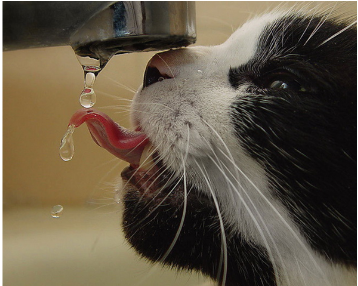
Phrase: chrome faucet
[99,29]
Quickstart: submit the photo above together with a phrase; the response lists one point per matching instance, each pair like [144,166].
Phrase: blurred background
[85,246]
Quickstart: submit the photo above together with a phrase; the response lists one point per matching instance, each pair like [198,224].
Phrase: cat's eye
[279,84]
[283,80]
[282,84]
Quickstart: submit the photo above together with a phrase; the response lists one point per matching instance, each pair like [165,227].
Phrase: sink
[83,247]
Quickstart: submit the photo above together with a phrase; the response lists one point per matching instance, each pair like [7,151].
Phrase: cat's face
[248,173]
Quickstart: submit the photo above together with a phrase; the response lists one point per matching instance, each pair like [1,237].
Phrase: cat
[243,158]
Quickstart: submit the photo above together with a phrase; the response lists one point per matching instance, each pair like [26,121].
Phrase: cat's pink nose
[157,70]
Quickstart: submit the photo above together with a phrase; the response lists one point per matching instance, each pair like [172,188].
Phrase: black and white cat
[243,163]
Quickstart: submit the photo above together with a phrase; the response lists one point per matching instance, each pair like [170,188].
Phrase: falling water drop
[88,97]
[56,211]
[67,147]
[91,68]
[90,79]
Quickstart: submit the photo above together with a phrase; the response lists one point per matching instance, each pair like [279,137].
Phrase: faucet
[99,29]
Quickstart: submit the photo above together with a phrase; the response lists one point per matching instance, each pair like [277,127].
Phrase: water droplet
[67,147]
[91,68]
[88,97]
[56,211]
[90,79]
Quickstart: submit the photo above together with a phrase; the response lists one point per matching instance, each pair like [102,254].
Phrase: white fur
[194,106]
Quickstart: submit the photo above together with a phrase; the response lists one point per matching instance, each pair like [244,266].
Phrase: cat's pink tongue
[125,144]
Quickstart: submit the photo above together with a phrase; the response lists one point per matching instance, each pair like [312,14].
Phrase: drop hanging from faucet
[91,68]
[92,65]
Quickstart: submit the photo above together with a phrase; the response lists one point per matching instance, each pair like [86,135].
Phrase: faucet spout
[132,26]
[99,29]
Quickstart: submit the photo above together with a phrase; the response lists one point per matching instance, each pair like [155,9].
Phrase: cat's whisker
[252,215]
[305,30]
[221,222]
[170,70]
[118,108]
[337,34]
[104,206]
[156,104]
[319,25]
[141,165]
[185,202]
[167,253]
[104,178]
[112,96]
[122,85]
[157,176]
[229,156]
[295,235]
[235,190]
[300,270]
[225,23]
[159,204]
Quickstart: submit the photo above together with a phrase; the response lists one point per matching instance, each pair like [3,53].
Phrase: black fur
[307,139]
[151,230]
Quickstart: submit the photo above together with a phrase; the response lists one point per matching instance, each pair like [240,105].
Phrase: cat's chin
[152,211]
[156,219]
[152,183]
[179,227]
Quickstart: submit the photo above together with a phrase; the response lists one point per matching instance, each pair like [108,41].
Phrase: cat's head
[248,169]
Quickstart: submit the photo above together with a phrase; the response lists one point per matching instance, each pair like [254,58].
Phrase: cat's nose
[157,70]
[152,75]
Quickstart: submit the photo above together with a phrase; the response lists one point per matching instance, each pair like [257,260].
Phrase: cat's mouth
[131,146]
